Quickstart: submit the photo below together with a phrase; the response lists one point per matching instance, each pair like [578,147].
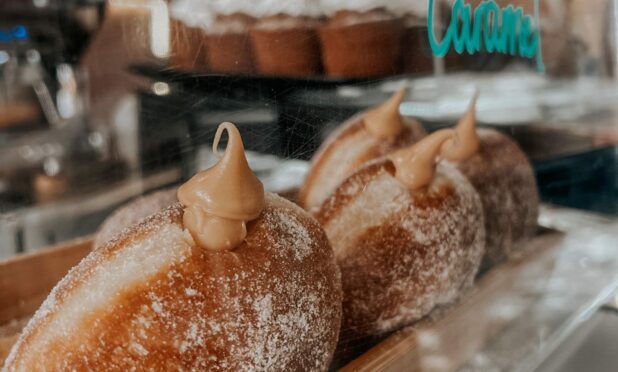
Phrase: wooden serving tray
[26,280]
[516,315]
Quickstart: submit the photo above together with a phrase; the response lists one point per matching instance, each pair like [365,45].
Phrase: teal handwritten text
[489,28]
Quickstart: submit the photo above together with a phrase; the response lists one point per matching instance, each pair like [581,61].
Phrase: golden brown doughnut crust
[351,140]
[504,179]
[401,253]
[273,303]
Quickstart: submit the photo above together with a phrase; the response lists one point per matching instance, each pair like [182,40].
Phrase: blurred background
[101,101]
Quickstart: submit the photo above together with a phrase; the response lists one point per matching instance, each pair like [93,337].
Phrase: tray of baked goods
[516,314]
[401,250]
[318,40]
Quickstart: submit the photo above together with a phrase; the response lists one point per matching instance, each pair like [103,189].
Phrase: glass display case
[108,107]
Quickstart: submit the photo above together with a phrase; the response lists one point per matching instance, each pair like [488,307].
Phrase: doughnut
[504,179]
[362,138]
[229,279]
[133,212]
[408,236]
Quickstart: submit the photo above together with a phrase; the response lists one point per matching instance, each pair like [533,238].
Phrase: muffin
[285,40]
[360,39]
[188,19]
[228,40]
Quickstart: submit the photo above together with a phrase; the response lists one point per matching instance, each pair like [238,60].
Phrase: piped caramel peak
[465,143]
[415,166]
[384,121]
[222,199]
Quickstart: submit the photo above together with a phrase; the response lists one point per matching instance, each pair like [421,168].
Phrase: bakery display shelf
[514,98]
[231,83]
[517,314]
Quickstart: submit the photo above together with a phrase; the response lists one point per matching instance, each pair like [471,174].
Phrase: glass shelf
[519,312]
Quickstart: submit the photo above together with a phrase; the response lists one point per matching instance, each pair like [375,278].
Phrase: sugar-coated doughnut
[360,139]
[229,279]
[402,251]
[504,179]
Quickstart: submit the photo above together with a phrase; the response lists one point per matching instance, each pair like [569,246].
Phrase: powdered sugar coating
[133,212]
[193,13]
[333,6]
[416,8]
[400,8]
[504,179]
[265,8]
[401,254]
[273,303]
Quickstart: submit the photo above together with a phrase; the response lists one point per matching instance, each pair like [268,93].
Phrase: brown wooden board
[26,280]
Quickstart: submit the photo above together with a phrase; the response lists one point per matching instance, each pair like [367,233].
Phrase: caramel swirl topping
[384,121]
[415,166]
[465,143]
[222,199]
